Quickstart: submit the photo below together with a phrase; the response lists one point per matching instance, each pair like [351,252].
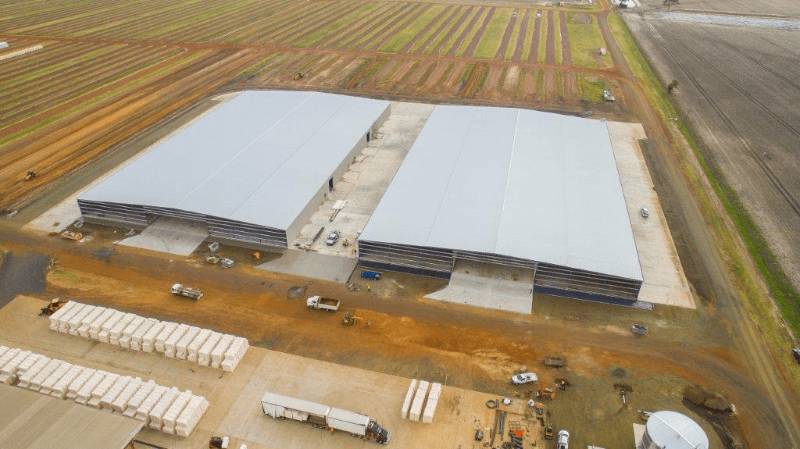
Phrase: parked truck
[323,303]
[324,417]
[192,293]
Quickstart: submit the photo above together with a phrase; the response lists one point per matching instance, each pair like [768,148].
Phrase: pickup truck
[323,303]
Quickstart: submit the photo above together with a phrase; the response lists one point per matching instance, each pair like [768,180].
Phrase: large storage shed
[253,169]
[509,187]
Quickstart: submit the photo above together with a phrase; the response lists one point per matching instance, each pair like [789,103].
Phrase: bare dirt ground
[739,87]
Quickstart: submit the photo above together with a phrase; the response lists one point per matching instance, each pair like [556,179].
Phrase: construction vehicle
[29,175]
[548,432]
[191,293]
[323,303]
[72,235]
[608,96]
[324,417]
[644,212]
[554,362]
[349,319]
[547,393]
[213,260]
[638,329]
[52,307]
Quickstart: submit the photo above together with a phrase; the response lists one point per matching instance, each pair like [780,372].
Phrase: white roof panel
[258,157]
[519,183]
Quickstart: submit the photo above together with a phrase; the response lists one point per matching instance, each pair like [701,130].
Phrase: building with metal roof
[31,420]
[252,169]
[510,187]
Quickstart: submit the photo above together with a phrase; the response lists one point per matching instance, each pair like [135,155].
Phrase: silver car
[524,378]
[333,237]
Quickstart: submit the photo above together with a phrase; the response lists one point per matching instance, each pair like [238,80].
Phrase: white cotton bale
[138,398]
[162,337]
[190,416]
[143,412]
[74,387]
[174,338]
[219,350]
[174,410]
[412,388]
[156,415]
[182,346]
[204,354]
[196,344]
[116,331]
[85,393]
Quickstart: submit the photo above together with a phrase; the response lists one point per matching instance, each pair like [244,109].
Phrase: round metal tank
[673,430]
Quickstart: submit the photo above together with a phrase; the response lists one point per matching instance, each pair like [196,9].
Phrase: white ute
[563,439]
[524,378]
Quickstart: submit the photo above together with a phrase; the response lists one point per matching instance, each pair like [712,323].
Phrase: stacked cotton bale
[412,388]
[174,411]
[234,354]
[191,414]
[170,410]
[431,403]
[419,399]
[131,331]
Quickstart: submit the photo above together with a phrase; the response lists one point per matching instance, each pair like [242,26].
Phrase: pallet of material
[419,399]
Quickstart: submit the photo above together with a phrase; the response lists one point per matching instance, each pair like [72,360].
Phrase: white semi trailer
[323,416]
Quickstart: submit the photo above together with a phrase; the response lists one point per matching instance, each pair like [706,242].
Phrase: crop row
[477,31]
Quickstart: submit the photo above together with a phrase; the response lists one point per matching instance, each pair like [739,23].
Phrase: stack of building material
[431,403]
[170,410]
[419,400]
[130,331]
[416,405]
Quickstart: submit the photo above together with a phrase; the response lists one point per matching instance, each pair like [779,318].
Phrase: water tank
[673,430]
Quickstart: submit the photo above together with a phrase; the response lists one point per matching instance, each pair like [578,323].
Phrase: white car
[333,237]
[563,440]
[524,378]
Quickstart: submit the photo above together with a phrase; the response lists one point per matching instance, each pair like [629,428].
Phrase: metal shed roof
[258,157]
[32,420]
[512,182]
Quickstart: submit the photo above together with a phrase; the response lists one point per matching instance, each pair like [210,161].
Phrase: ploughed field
[740,86]
[109,70]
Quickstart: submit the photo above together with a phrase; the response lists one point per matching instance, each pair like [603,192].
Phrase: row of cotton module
[166,409]
[130,331]
[415,399]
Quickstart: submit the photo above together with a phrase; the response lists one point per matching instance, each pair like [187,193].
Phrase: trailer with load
[180,290]
[323,303]
[323,417]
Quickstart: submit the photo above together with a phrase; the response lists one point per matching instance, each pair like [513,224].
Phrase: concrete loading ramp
[170,235]
[489,286]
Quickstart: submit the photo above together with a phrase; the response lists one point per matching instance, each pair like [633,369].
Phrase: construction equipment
[554,362]
[548,432]
[323,416]
[546,393]
[52,307]
[638,329]
[608,96]
[644,212]
[72,235]
[257,255]
[323,303]
[213,260]
[562,383]
[191,293]
[29,175]
[298,76]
